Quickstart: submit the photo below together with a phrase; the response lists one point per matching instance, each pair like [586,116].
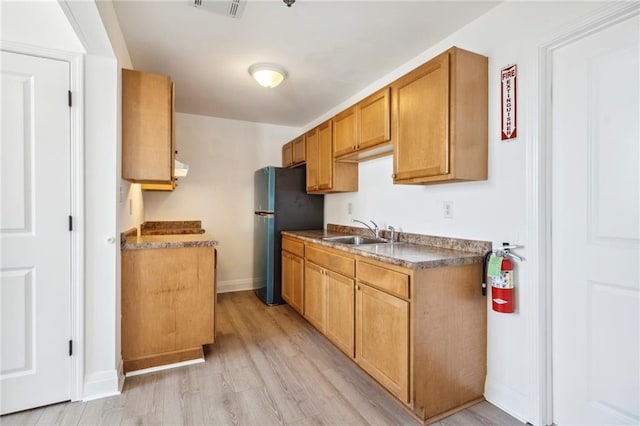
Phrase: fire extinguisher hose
[485,258]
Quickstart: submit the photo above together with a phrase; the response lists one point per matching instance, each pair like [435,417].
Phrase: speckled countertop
[129,240]
[172,227]
[412,251]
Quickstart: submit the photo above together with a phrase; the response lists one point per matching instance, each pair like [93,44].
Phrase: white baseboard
[101,384]
[237,285]
[508,400]
[165,367]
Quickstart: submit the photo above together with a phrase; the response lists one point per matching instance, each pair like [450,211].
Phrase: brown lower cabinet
[382,347]
[420,333]
[315,290]
[293,273]
[168,299]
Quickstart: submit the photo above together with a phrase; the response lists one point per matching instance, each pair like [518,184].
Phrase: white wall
[494,210]
[101,114]
[222,155]
[101,296]
[130,208]
[41,24]
[130,202]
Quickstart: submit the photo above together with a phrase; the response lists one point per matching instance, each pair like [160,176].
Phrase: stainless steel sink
[355,240]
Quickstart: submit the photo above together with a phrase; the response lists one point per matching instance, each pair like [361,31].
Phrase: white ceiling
[330,49]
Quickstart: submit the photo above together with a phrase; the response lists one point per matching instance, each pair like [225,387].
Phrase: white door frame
[76,84]
[539,180]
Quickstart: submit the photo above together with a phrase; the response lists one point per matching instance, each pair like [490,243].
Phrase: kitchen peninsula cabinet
[293,273]
[439,120]
[363,131]
[168,299]
[324,174]
[148,131]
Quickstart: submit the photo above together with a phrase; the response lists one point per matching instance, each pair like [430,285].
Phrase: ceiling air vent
[230,8]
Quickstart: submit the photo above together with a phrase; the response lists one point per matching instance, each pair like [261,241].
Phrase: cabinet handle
[393,175]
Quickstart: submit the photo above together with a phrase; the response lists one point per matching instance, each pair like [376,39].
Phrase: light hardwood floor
[267,367]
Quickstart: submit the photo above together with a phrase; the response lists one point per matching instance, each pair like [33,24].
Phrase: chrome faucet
[391,229]
[375,230]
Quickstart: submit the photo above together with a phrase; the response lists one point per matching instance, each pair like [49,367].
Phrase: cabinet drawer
[293,246]
[391,281]
[332,261]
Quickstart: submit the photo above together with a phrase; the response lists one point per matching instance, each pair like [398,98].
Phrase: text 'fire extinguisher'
[500,270]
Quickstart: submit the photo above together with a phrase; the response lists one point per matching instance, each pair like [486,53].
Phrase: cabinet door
[311,142]
[292,280]
[345,137]
[287,278]
[287,155]
[297,282]
[299,151]
[382,338]
[147,127]
[374,119]
[325,156]
[341,312]
[315,295]
[420,128]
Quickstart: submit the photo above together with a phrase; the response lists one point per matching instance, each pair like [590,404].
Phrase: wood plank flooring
[267,367]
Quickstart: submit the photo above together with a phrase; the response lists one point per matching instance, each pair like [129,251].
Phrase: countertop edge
[145,242]
[464,258]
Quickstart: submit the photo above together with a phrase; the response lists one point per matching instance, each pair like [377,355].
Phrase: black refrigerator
[281,203]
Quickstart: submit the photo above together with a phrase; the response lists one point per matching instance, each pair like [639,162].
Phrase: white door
[34,235]
[596,228]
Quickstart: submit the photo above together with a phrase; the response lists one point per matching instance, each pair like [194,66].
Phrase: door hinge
[70,347]
[70,223]
[69,97]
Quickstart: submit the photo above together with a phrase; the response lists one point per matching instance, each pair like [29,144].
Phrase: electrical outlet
[349,208]
[447,209]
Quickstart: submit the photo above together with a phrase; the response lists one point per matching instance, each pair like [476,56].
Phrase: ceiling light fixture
[267,75]
[289,2]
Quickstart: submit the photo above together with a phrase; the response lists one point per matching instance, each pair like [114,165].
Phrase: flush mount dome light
[267,75]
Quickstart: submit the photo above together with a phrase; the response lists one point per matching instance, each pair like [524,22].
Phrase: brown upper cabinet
[148,133]
[363,131]
[299,151]
[324,174]
[439,120]
[294,152]
[287,154]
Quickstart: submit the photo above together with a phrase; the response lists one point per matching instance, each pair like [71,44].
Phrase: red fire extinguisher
[502,278]
[503,289]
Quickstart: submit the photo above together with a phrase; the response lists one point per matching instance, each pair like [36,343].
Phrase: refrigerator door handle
[263,213]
